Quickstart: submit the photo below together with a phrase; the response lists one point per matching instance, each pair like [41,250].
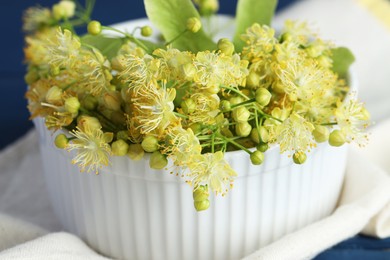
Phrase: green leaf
[342,58]
[170,17]
[249,12]
[109,47]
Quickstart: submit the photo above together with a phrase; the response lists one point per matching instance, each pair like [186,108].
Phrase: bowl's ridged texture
[131,212]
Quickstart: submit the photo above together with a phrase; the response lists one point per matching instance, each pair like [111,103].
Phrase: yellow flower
[294,134]
[215,69]
[35,18]
[259,40]
[35,51]
[64,49]
[211,169]
[153,108]
[36,94]
[353,119]
[303,78]
[182,145]
[92,71]
[92,148]
[207,108]
[138,71]
[297,32]
[172,62]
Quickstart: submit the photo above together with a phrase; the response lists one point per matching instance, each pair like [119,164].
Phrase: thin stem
[177,37]
[331,123]
[236,144]
[129,36]
[180,115]
[235,91]
[250,101]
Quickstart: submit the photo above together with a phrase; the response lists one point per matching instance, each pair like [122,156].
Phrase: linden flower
[211,169]
[35,18]
[207,108]
[64,49]
[93,71]
[297,32]
[301,79]
[92,148]
[214,69]
[172,61]
[294,134]
[36,52]
[353,119]
[182,145]
[153,108]
[137,72]
[260,41]
[36,94]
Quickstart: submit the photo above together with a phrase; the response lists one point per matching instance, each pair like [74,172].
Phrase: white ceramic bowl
[129,211]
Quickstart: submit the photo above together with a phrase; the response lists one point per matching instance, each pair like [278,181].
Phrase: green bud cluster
[201,198]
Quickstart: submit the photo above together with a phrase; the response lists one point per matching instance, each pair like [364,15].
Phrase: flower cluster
[127,97]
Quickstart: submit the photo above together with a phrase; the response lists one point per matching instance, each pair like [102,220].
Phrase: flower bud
[213,89]
[337,138]
[262,147]
[253,79]
[188,106]
[135,152]
[54,95]
[72,105]
[54,71]
[90,102]
[201,193]
[243,129]
[263,137]
[64,9]
[193,24]
[241,114]
[122,135]
[112,100]
[84,122]
[201,205]
[299,157]
[225,106]
[263,96]
[94,27]
[157,160]
[257,157]
[61,141]
[226,46]
[236,100]
[146,31]
[150,144]
[320,133]
[31,76]
[119,148]
[208,7]
[196,128]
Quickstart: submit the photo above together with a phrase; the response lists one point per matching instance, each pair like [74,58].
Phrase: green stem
[236,144]
[104,120]
[129,36]
[177,37]
[331,123]
[180,115]
[250,101]
[235,91]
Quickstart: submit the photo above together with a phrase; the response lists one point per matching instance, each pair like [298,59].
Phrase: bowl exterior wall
[129,211]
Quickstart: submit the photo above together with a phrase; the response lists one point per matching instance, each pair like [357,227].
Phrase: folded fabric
[53,246]
[364,196]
